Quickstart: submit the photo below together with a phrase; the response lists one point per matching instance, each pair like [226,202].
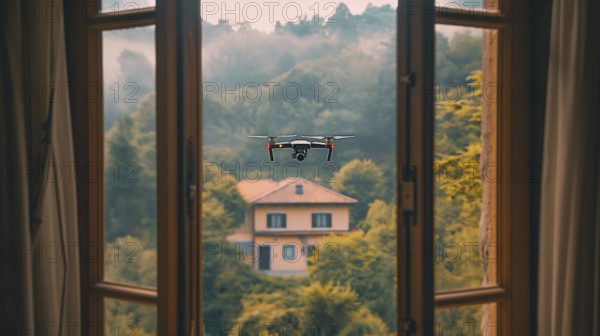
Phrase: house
[286,221]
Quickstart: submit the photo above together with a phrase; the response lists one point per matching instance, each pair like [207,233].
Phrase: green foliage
[328,308]
[130,175]
[129,260]
[130,215]
[458,189]
[362,180]
[226,193]
[127,318]
[358,257]
[314,309]
[379,214]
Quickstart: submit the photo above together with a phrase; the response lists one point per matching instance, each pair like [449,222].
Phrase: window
[289,252]
[126,225]
[126,55]
[321,220]
[475,122]
[276,220]
[155,95]
[299,190]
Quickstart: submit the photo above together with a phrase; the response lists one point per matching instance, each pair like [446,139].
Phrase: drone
[300,147]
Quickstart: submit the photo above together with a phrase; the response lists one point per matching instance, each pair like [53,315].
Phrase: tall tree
[362,180]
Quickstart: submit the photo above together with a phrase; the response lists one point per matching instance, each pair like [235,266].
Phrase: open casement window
[461,252]
[137,124]
[463,218]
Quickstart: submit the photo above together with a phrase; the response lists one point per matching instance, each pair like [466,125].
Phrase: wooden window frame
[178,292]
[416,295]
[179,124]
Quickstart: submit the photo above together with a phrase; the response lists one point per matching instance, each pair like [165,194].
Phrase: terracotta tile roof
[250,189]
[284,192]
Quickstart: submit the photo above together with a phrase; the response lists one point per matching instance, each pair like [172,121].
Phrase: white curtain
[569,255]
[39,268]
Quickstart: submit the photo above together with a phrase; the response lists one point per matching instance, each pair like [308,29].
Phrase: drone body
[300,147]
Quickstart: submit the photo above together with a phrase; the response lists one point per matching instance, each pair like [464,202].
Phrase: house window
[276,220]
[299,190]
[321,220]
[289,252]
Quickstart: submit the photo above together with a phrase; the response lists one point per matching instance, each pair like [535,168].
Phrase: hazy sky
[263,14]
[245,11]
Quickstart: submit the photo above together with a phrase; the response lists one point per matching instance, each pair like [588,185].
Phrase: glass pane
[465,158]
[123,318]
[129,156]
[290,72]
[475,320]
[117,6]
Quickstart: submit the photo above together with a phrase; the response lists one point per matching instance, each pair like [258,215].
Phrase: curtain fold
[569,255]
[39,270]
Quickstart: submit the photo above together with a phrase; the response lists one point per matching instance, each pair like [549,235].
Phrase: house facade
[286,223]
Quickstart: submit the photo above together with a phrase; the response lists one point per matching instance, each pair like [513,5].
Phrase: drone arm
[318,145]
[271,154]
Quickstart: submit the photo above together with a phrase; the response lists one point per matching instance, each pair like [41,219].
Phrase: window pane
[129,156]
[124,318]
[476,320]
[299,68]
[289,252]
[117,6]
[465,158]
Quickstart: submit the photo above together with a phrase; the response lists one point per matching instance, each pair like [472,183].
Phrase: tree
[334,310]
[362,180]
[458,191]
[130,216]
[308,309]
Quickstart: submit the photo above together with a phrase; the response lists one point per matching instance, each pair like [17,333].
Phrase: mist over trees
[346,74]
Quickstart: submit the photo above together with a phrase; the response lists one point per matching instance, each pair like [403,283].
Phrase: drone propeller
[329,137]
[271,142]
[329,141]
[272,136]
